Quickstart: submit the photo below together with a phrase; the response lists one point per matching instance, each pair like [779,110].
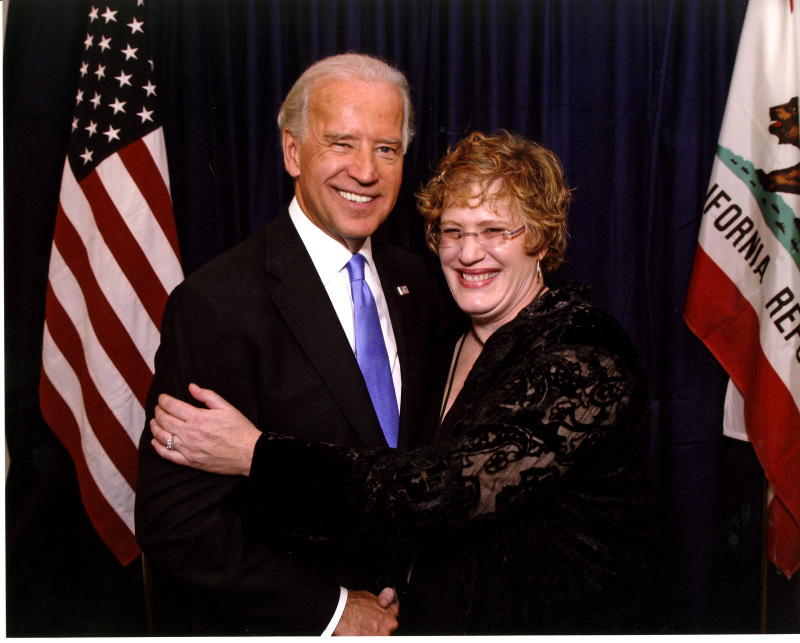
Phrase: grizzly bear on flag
[784,126]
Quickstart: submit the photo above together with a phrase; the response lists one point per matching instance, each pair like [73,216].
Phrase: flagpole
[147,577]
[764,558]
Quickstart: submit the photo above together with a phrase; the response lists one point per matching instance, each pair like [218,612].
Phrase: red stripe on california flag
[143,170]
[125,248]
[109,526]
[111,434]
[110,331]
[752,346]
[718,314]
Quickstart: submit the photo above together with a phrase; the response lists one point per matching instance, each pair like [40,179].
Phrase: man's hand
[218,439]
[368,615]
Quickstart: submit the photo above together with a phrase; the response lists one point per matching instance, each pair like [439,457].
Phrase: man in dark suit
[269,326]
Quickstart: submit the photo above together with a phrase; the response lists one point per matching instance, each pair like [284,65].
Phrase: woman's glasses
[487,238]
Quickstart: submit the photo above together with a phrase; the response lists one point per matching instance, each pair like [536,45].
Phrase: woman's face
[491,285]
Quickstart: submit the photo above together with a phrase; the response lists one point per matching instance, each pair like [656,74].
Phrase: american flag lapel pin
[402,290]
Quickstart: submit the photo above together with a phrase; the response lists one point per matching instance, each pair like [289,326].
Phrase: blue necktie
[371,355]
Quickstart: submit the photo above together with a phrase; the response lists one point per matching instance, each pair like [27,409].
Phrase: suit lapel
[403,303]
[304,304]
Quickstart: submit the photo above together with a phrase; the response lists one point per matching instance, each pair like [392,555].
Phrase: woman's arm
[517,445]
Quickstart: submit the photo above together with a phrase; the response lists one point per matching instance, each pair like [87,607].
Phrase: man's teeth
[480,277]
[356,198]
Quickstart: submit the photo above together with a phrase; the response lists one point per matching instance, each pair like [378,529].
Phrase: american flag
[114,260]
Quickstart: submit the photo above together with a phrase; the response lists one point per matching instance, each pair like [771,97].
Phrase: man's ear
[291,153]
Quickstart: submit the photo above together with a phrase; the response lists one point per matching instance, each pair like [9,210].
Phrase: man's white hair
[293,114]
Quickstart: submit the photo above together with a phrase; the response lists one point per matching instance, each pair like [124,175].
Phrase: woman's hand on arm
[217,439]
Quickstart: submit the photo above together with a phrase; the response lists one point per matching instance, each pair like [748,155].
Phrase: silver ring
[170,446]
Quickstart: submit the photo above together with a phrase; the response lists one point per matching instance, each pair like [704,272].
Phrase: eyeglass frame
[505,234]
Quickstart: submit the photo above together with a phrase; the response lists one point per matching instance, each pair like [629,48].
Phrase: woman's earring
[539,275]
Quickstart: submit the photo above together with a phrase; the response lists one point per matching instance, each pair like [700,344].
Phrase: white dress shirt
[330,259]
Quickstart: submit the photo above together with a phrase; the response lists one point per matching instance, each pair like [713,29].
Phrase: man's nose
[364,167]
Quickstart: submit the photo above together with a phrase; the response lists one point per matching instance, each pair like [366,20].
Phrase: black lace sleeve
[522,437]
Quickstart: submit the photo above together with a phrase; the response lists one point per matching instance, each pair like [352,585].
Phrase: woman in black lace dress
[527,510]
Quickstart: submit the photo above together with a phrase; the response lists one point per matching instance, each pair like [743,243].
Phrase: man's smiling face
[349,165]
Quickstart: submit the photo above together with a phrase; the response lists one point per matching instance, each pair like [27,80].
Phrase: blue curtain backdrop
[629,93]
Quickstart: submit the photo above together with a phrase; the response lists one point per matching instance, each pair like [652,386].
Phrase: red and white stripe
[114,261]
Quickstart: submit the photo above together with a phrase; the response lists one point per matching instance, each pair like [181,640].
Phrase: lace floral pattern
[538,405]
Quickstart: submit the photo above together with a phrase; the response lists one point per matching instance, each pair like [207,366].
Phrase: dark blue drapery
[629,93]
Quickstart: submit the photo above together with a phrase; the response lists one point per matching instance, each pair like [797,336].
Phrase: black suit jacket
[257,326]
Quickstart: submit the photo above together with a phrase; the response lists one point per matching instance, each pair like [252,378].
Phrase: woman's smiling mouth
[480,276]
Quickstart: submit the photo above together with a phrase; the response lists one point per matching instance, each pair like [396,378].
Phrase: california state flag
[744,296]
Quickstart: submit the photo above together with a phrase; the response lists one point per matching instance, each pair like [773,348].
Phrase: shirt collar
[328,255]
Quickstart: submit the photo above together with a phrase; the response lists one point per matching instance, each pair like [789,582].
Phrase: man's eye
[385,149]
